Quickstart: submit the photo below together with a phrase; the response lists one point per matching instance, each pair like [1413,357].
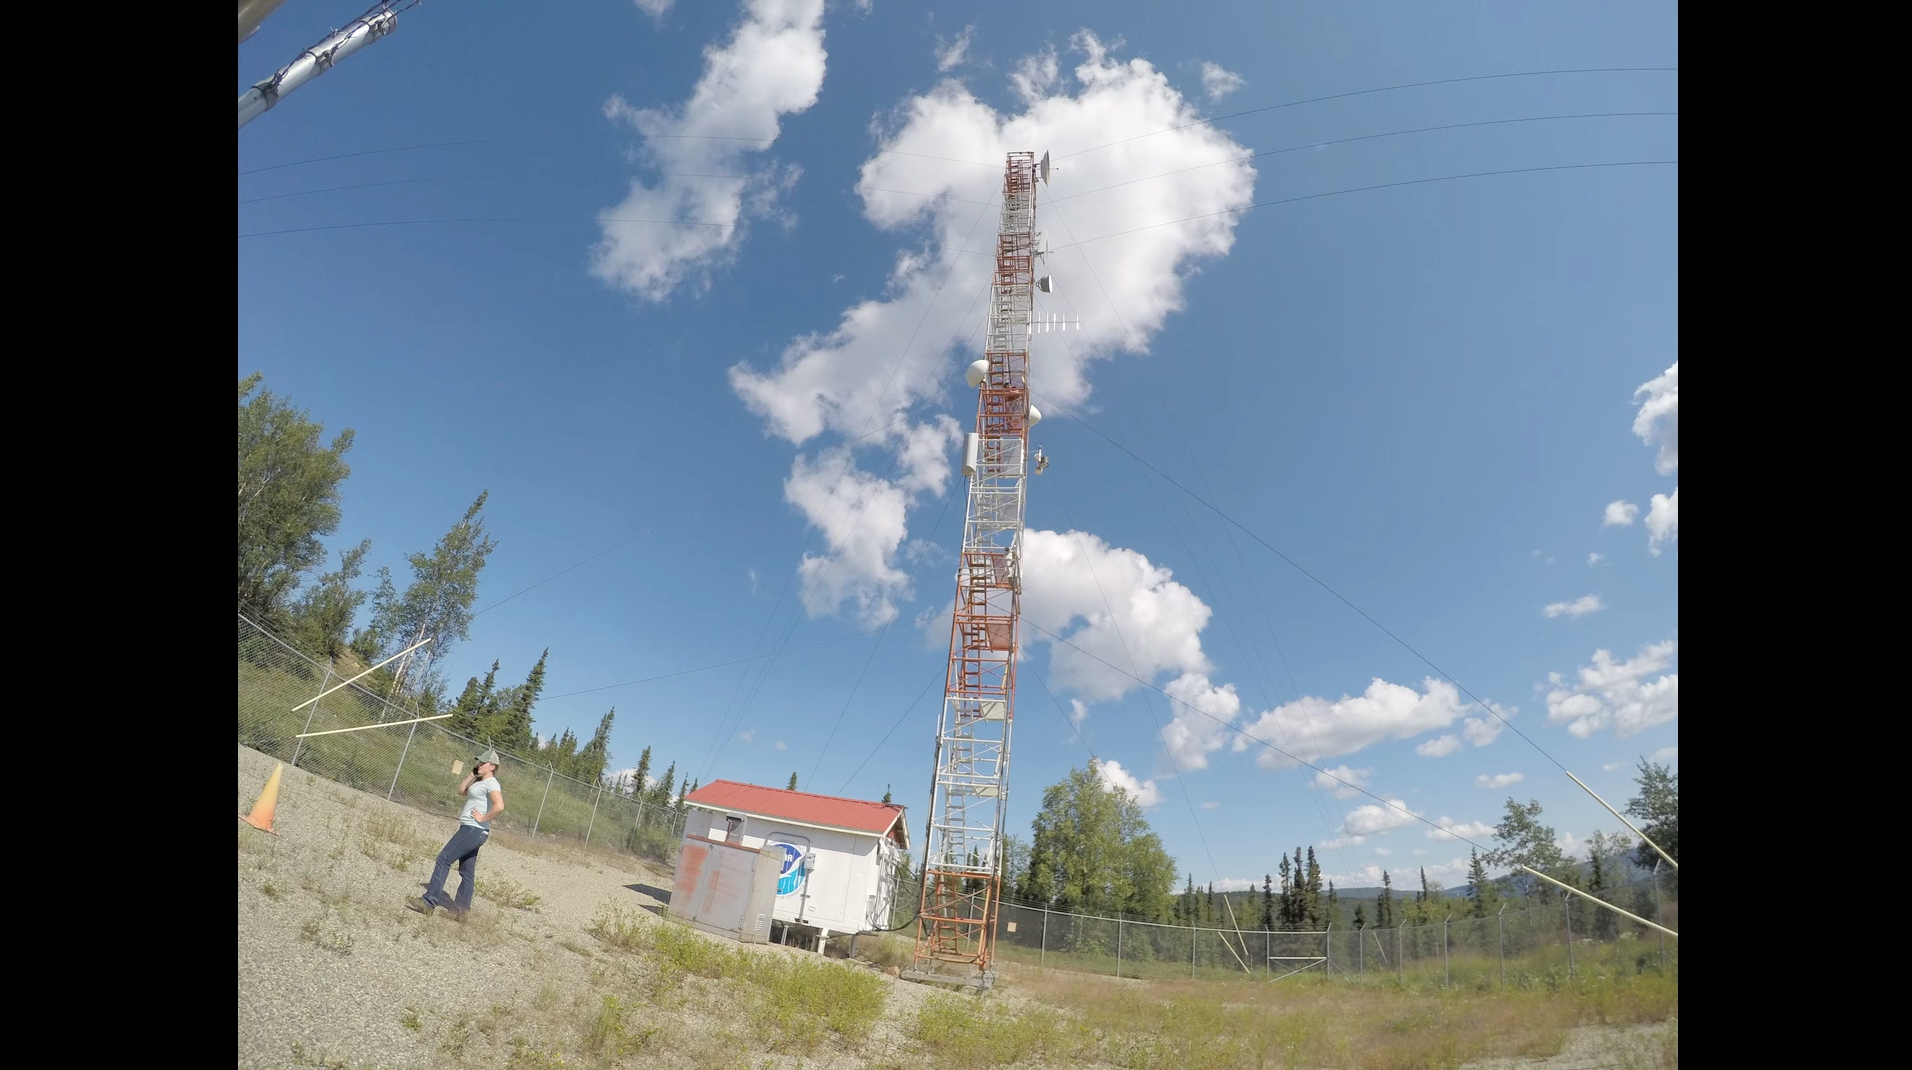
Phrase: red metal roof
[871,817]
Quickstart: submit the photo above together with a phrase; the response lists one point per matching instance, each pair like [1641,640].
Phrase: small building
[839,856]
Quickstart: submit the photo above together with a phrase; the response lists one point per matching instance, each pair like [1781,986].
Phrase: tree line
[1091,852]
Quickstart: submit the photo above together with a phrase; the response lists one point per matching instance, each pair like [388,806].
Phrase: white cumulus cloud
[1315,728]
[711,175]
[1219,81]
[1113,776]
[1343,781]
[1630,696]
[888,358]
[1211,806]
[1194,732]
[1619,514]
[1579,607]
[1663,522]
[1666,754]
[1498,780]
[1659,418]
[1594,559]
[1373,818]
[1480,731]
[1236,884]
[950,54]
[654,8]
[1439,747]
[1451,829]
[1133,615]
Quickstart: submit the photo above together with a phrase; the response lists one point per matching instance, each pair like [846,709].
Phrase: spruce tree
[792,786]
[641,774]
[1384,910]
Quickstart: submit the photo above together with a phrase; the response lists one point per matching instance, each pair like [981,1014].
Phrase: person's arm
[497,807]
[465,785]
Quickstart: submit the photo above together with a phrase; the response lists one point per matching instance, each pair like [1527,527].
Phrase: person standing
[484,801]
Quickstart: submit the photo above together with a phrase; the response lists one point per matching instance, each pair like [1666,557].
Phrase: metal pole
[1600,902]
[313,62]
[1657,915]
[1624,821]
[1567,906]
[1327,950]
[1191,951]
[374,668]
[315,709]
[587,829]
[1360,954]
[1500,939]
[1444,921]
[393,790]
[1400,961]
[1042,957]
[1118,947]
[547,795]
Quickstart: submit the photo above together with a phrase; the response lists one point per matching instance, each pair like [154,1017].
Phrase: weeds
[411,1020]
[608,1032]
[508,894]
[271,891]
[315,931]
[526,1056]
[615,927]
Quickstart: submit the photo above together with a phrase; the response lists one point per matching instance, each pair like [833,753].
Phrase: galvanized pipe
[314,61]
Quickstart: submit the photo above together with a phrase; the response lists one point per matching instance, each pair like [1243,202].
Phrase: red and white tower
[962,870]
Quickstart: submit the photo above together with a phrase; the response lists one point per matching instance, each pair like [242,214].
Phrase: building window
[733,830]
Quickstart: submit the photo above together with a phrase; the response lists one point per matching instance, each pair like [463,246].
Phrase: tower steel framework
[962,878]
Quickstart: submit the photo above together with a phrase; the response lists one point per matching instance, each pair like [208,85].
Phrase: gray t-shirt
[478,800]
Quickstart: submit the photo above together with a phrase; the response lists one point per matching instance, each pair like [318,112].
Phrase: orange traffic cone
[261,816]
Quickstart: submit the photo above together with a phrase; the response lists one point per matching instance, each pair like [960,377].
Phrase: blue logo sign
[792,873]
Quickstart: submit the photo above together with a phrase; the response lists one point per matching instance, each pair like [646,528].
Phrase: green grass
[793,1002]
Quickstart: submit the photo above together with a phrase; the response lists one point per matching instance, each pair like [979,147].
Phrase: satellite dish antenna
[1042,169]
[976,373]
[1046,284]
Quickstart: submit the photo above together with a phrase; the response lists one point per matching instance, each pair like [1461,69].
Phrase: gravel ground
[335,971]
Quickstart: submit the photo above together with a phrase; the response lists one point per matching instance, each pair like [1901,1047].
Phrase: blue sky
[1454,402]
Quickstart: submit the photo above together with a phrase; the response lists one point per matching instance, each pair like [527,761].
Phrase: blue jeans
[462,849]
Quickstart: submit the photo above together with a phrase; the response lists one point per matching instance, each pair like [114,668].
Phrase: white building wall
[849,880]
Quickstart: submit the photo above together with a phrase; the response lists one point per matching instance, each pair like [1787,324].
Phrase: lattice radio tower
[962,878]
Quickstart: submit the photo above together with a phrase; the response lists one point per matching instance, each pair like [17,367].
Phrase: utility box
[727,888]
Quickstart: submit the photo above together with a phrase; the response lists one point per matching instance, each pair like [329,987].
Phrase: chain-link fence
[412,763]
[1535,944]
[1522,945]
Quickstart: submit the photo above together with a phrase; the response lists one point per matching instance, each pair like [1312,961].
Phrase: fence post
[1500,939]
[541,800]
[1444,921]
[1400,962]
[1268,953]
[595,799]
[1360,954]
[1567,905]
[1118,947]
[1656,913]
[1327,950]
[314,709]
[1191,952]
[1042,957]
[393,790]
